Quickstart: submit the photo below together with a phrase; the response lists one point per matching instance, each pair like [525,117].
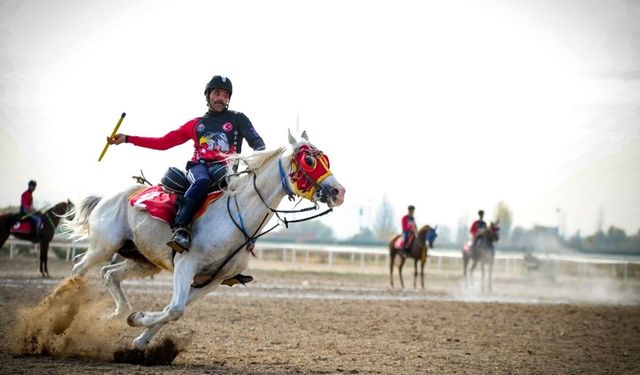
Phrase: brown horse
[51,218]
[484,252]
[418,251]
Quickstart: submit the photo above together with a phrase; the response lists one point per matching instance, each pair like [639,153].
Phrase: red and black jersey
[215,135]
[408,223]
[477,226]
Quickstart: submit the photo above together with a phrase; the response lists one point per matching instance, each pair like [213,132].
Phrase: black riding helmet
[218,82]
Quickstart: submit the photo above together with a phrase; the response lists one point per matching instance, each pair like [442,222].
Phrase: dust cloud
[75,321]
[72,321]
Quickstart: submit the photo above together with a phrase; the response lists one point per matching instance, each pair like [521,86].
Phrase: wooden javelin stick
[113,134]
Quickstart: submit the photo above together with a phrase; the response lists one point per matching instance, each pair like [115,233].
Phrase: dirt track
[321,323]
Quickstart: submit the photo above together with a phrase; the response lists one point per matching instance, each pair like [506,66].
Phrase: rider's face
[219,99]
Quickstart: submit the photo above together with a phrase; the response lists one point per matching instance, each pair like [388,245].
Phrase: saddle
[399,243]
[24,226]
[467,247]
[160,201]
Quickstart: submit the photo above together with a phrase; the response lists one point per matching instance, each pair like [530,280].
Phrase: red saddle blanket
[161,204]
[467,247]
[23,226]
[399,243]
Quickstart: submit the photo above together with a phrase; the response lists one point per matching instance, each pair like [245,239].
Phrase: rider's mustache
[223,102]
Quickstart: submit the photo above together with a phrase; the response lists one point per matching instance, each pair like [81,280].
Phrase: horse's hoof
[131,319]
[139,343]
[122,313]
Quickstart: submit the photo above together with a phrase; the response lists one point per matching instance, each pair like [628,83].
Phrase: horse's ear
[305,136]
[292,140]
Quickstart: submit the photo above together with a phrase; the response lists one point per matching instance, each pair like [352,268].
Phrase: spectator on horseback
[477,229]
[216,135]
[27,210]
[408,230]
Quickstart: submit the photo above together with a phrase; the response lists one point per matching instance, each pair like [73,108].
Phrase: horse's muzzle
[331,192]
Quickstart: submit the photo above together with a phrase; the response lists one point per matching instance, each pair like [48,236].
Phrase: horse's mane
[253,162]
[59,209]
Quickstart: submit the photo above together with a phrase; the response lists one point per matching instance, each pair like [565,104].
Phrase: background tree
[384,226]
[462,235]
[365,235]
[312,230]
[504,214]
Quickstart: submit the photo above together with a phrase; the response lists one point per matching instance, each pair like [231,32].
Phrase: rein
[50,219]
[46,214]
[278,212]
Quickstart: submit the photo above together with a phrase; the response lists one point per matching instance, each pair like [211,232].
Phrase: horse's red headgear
[309,167]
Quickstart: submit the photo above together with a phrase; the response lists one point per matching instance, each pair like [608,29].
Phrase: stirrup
[180,244]
[238,279]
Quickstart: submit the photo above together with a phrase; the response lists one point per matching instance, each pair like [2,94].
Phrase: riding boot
[181,238]
[37,227]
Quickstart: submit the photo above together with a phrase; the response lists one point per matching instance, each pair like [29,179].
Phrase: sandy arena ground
[329,323]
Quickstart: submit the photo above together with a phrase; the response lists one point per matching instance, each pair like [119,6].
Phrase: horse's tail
[78,227]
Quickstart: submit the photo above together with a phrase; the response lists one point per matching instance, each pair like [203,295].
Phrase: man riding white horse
[216,135]
[220,234]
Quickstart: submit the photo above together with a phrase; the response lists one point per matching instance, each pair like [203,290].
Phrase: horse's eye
[310,161]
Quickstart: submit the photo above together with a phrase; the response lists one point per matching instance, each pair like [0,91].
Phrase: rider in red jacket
[477,228]
[408,229]
[27,210]
[216,135]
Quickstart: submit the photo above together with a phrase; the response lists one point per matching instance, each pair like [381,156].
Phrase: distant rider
[408,229]
[477,228]
[27,210]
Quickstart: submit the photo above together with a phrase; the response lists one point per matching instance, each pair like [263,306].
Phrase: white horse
[219,234]
[484,253]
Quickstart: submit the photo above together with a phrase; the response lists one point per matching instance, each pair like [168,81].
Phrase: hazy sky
[451,106]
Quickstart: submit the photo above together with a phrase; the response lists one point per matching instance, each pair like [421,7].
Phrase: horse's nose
[337,193]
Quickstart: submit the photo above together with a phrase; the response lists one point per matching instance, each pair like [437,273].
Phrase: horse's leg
[490,265]
[4,236]
[415,273]
[184,271]
[95,254]
[148,334]
[422,262]
[465,264]
[402,260]
[114,274]
[392,257]
[44,253]
[482,273]
[474,263]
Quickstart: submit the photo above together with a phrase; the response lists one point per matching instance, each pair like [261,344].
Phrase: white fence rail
[363,258]
[71,247]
